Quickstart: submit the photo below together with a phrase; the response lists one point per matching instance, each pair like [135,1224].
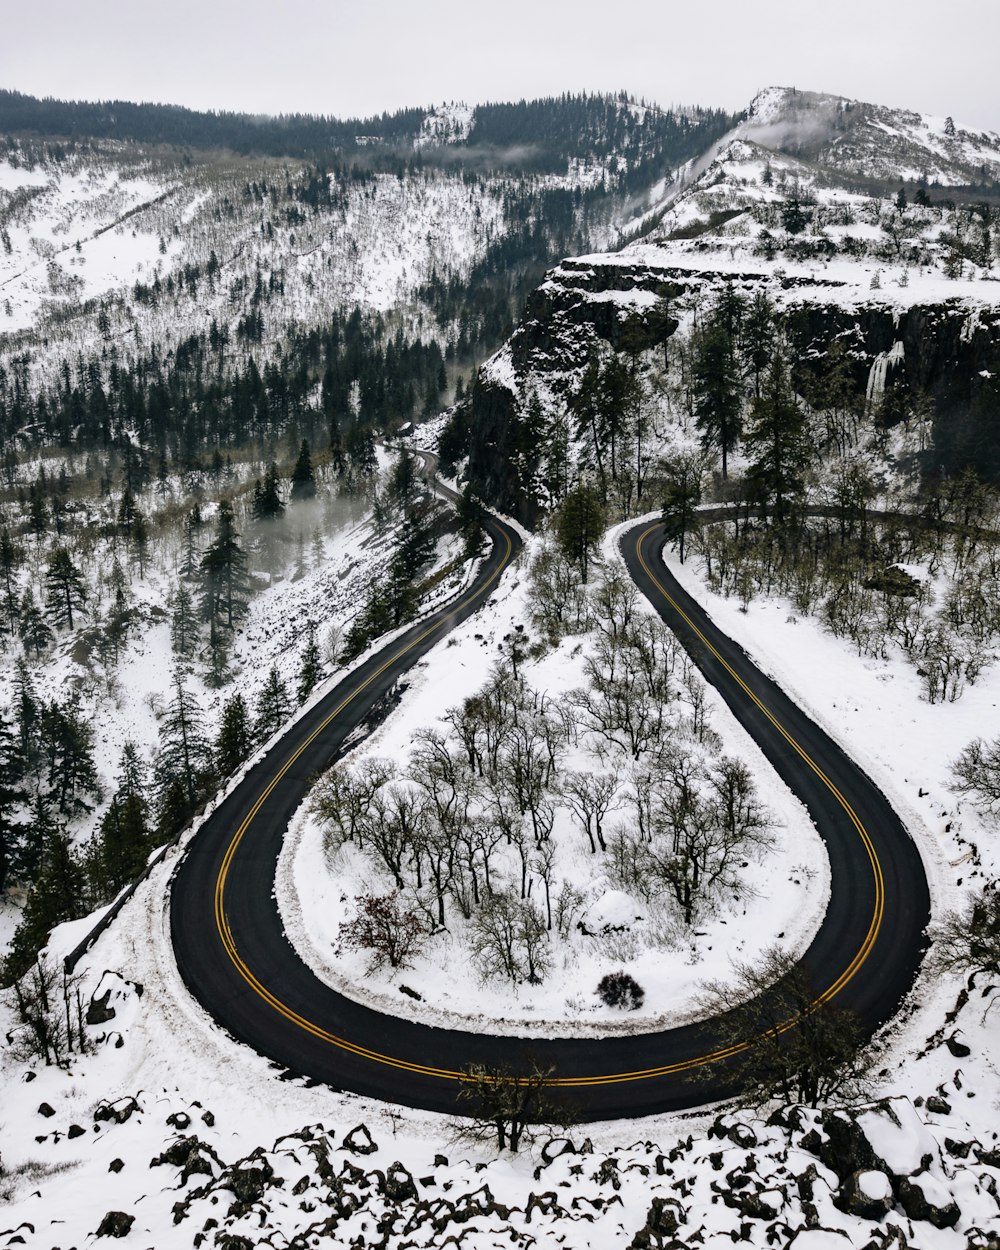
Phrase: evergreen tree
[140,542]
[757,337]
[123,842]
[273,706]
[27,721]
[183,624]
[718,398]
[682,477]
[579,526]
[309,672]
[403,482]
[778,443]
[183,755]
[225,585]
[303,482]
[191,558]
[59,894]
[64,589]
[234,745]
[33,628]
[9,795]
[69,743]
[586,408]
[11,557]
[267,502]
[128,512]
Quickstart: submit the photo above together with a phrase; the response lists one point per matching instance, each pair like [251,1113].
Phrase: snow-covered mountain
[117,240]
[858,221]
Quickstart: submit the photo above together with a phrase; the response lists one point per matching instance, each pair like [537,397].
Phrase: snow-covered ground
[786,890]
[190,1081]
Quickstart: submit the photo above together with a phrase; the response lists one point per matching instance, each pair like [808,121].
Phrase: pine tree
[183,624]
[59,894]
[309,672]
[11,557]
[579,526]
[36,635]
[225,585]
[718,399]
[123,842]
[9,795]
[777,441]
[267,502]
[191,559]
[757,337]
[64,589]
[69,741]
[128,512]
[27,721]
[234,745]
[303,482]
[273,706]
[183,756]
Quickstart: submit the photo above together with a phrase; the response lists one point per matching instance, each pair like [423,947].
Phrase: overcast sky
[351,57]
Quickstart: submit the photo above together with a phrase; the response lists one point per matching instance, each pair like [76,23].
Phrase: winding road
[236,960]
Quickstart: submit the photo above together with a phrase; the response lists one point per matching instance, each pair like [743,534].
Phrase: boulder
[100,1010]
[118,1111]
[116,1224]
[924,1198]
[664,1218]
[249,1179]
[359,1141]
[867,1195]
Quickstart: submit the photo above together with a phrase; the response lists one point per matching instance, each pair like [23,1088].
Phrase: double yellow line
[364,1052]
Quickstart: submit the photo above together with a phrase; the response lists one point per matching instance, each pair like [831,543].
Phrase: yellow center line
[308,1026]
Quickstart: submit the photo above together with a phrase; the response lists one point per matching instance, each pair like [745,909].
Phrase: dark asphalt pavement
[236,960]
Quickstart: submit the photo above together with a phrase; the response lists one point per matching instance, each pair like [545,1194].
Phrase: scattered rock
[45,1110]
[116,1224]
[75,1130]
[411,993]
[119,1111]
[937,1105]
[555,1147]
[193,1157]
[359,1141]
[867,1195]
[179,1120]
[924,1198]
[249,1178]
[397,1184]
[100,1010]
[664,1218]
[115,1165]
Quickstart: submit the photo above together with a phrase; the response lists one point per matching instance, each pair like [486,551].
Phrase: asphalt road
[236,960]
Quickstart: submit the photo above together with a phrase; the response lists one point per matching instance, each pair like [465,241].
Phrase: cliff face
[864,224]
[949,348]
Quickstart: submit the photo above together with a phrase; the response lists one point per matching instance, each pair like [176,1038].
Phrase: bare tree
[509,939]
[590,797]
[968,941]
[385,926]
[343,797]
[504,1103]
[48,1010]
[782,1038]
[977,772]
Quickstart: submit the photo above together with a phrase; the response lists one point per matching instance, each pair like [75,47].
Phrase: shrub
[618,989]
[386,927]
